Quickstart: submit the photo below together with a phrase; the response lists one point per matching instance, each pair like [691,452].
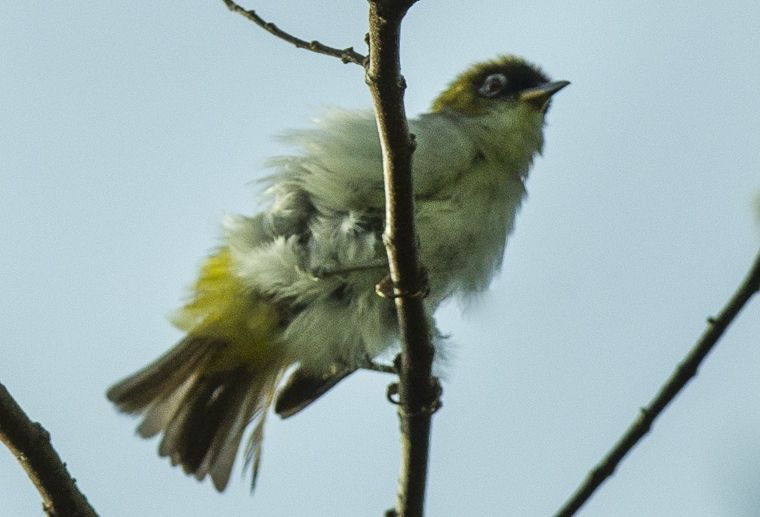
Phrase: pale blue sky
[129,129]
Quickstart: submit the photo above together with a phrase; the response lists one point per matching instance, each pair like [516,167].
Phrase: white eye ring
[493,85]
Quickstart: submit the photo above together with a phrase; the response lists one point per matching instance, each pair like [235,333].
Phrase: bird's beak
[539,96]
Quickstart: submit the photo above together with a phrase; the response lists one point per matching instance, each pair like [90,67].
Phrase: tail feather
[202,411]
[159,413]
[304,387]
[163,376]
[253,449]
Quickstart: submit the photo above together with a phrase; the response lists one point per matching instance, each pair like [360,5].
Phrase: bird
[287,307]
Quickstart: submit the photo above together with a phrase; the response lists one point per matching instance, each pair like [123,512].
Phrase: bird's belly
[463,248]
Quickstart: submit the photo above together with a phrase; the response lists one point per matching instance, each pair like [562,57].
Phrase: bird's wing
[339,163]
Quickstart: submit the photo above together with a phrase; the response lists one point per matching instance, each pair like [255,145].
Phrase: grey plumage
[294,286]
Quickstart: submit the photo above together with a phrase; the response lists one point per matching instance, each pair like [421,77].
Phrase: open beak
[539,96]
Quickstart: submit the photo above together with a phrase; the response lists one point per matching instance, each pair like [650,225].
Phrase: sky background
[129,129]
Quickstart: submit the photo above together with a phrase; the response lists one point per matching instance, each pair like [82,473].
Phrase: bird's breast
[463,234]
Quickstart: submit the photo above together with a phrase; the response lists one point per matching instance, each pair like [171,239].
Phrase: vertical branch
[418,390]
[30,444]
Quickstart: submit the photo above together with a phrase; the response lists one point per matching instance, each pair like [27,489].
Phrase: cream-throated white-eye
[293,288]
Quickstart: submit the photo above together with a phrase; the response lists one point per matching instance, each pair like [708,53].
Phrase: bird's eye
[493,85]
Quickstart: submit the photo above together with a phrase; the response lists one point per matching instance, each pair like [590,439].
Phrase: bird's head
[501,104]
[503,83]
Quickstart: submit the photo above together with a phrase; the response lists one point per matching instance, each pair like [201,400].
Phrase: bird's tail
[204,392]
[202,413]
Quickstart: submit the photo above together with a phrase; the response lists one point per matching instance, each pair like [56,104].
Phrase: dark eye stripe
[504,81]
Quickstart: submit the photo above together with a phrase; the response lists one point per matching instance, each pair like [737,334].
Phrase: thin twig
[347,55]
[685,371]
[30,444]
[418,390]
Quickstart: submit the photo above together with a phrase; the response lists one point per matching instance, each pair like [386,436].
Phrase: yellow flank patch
[223,308]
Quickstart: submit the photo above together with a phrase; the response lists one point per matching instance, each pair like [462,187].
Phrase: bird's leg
[369,364]
[386,289]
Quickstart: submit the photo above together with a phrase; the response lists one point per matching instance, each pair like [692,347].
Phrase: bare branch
[685,371]
[30,444]
[418,391]
[347,55]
